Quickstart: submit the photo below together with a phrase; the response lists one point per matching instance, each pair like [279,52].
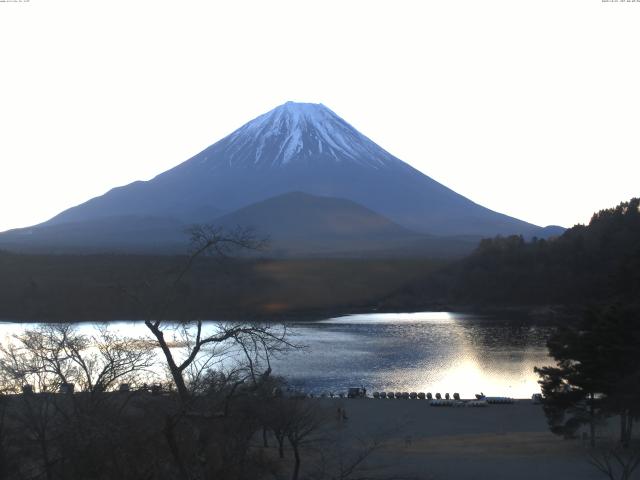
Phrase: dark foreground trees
[616,463]
[143,433]
[51,435]
[77,406]
[597,373]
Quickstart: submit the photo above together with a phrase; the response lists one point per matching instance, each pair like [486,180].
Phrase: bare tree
[304,421]
[616,463]
[52,355]
[202,345]
[275,416]
[59,435]
[217,360]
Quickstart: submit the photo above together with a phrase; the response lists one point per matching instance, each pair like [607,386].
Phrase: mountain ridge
[298,147]
[296,224]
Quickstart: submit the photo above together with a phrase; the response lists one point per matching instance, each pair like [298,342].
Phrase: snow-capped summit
[306,132]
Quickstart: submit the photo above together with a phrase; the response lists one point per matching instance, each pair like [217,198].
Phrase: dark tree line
[591,264]
[596,380]
[38,287]
[89,287]
[597,373]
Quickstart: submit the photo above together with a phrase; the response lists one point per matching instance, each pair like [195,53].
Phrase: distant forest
[122,287]
[592,264]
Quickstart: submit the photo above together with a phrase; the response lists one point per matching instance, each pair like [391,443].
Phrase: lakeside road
[495,442]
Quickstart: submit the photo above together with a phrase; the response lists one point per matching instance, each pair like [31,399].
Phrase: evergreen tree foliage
[597,373]
[594,264]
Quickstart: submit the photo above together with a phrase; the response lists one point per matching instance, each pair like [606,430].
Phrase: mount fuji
[296,147]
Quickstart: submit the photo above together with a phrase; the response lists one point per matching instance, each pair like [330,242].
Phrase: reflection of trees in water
[492,333]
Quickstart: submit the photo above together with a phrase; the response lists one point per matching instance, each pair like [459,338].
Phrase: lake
[424,351]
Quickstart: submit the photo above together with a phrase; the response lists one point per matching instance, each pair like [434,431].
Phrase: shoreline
[549,313]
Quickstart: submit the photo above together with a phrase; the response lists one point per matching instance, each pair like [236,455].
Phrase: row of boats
[480,401]
[436,400]
[414,395]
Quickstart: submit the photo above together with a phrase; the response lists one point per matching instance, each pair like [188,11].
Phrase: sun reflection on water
[424,351]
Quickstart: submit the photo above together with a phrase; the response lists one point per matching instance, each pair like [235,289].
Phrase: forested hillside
[599,262]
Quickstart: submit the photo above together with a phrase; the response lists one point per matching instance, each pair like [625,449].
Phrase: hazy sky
[530,107]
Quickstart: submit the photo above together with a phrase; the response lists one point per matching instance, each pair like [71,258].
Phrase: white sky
[530,107]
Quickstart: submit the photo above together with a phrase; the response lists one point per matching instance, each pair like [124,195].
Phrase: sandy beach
[494,442]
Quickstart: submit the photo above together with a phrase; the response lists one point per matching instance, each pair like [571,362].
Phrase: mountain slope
[305,148]
[125,233]
[302,215]
[298,223]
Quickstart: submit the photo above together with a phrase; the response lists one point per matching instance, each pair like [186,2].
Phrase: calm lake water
[425,351]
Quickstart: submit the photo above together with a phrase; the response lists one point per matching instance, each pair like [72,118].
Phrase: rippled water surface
[430,352]
[426,351]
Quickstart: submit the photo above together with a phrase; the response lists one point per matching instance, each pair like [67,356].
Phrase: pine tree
[597,374]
